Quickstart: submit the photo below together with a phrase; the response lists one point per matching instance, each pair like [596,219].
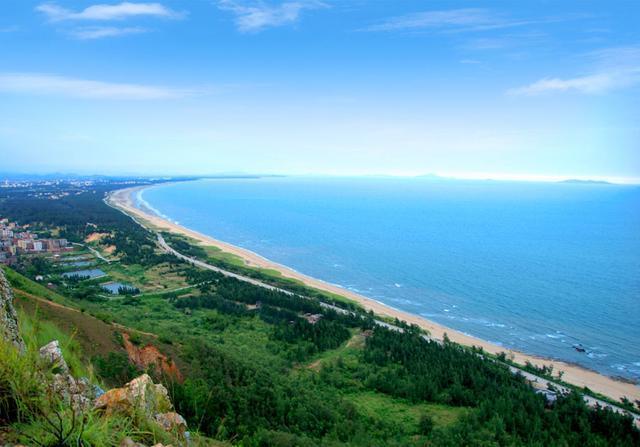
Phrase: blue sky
[502,89]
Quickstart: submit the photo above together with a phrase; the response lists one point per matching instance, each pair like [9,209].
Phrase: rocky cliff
[8,317]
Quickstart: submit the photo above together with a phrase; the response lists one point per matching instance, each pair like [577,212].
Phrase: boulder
[52,353]
[143,397]
[79,393]
[128,442]
[172,422]
[141,394]
[8,317]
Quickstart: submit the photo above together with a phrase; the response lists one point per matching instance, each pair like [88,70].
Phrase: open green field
[160,278]
[407,414]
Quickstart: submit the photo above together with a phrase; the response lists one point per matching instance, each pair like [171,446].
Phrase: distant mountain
[586,182]
[432,177]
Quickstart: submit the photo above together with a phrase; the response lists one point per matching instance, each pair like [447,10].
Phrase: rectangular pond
[85,274]
[78,263]
[116,287]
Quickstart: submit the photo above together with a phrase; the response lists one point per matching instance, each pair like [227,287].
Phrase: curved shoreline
[574,374]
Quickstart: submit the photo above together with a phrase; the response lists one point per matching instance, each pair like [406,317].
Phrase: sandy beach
[123,200]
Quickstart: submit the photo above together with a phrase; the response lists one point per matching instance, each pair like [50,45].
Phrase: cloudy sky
[497,88]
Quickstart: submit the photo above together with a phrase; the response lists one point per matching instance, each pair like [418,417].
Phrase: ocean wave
[625,368]
[554,336]
[147,205]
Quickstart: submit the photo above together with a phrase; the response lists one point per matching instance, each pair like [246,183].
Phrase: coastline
[574,374]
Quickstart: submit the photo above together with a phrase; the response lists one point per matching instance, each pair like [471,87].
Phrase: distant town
[16,239]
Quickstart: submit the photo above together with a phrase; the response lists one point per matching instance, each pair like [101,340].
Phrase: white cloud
[103,12]
[99,32]
[614,69]
[258,16]
[597,83]
[466,19]
[45,84]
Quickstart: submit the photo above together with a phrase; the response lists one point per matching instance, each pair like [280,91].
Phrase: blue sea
[538,267]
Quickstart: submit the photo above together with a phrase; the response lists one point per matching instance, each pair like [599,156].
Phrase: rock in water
[8,317]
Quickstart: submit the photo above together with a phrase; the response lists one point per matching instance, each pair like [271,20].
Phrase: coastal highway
[537,382]
[163,244]
[541,383]
[198,263]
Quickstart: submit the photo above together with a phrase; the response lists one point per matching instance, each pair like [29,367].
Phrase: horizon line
[450,175]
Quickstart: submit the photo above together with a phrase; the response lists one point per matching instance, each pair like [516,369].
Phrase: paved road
[94,251]
[163,244]
[541,383]
[536,381]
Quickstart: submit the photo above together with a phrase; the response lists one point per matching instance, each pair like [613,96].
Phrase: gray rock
[128,442]
[172,422]
[78,393]
[8,317]
[52,353]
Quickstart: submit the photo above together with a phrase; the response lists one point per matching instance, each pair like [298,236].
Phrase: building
[312,318]
[15,239]
[25,244]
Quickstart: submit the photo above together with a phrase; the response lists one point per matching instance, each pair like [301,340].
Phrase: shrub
[425,425]
[115,368]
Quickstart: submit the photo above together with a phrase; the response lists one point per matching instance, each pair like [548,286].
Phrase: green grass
[37,333]
[216,253]
[20,282]
[155,279]
[385,408]
[348,353]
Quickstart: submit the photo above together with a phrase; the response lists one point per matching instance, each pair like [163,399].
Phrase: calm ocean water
[536,267]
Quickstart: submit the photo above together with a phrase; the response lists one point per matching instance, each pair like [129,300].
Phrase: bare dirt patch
[94,237]
[149,356]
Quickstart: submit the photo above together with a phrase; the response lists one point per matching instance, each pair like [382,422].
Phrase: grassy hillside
[31,413]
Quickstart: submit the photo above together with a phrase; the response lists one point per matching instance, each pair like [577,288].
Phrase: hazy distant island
[586,181]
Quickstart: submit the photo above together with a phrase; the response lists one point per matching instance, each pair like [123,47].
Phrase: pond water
[90,273]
